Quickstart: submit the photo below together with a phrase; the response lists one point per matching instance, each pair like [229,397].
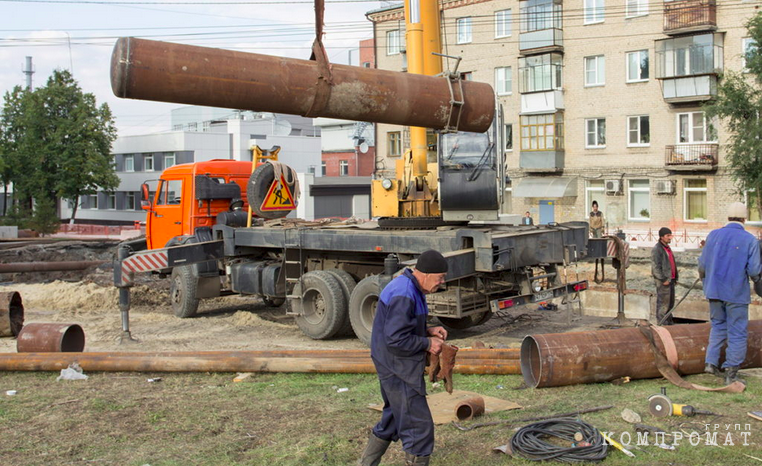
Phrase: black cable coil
[530,443]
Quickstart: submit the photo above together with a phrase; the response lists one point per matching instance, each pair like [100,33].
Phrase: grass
[300,419]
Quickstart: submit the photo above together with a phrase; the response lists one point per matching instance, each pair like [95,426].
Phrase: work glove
[446,365]
[433,363]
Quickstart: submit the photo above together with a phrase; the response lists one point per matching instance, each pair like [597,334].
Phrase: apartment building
[602,99]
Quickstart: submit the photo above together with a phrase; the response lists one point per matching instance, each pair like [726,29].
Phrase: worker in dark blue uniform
[399,343]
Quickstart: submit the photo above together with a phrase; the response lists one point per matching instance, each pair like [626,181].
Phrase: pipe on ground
[559,359]
[16,267]
[51,338]
[223,361]
[11,313]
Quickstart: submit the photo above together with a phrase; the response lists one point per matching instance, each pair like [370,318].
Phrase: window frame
[507,138]
[146,159]
[639,131]
[110,201]
[343,167]
[746,44]
[556,122]
[169,156]
[463,30]
[507,80]
[503,18]
[323,168]
[687,190]
[592,9]
[600,71]
[131,158]
[640,189]
[595,193]
[691,126]
[597,132]
[640,79]
[93,201]
[129,201]
[394,140]
[750,207]
[641,8]
[393,47]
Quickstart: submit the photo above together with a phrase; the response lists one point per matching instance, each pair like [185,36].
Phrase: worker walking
[527,220]
[596,221]
[730,257]
[399,343]
[664,271]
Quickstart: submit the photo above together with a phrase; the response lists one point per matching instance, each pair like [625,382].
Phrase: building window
[169,160]
[463,28]
[394,143]
[92,201]
[637,66]
[540,72]
[693,128]
[751,204]
[748,46]
[343,168]
[467,76]
[695,200]
[593,11]
[595,70]
[393,44]
[537,15]
[148,163]
[595,191]
[193,126]
[636,8]
[638,131]
[129,201]
[111,201]
[689,56]
[311,170]
[502,23]
[322,168]
[639,193]
[503,80]
[542,132]
[129,163]
[508,137]
[595,133]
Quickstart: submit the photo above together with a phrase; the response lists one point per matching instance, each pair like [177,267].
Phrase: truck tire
[258,188]
[362,307]
[348,284]
[465,322]
[322,306]
[182,291]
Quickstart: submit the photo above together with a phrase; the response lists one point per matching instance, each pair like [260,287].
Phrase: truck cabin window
[170,192]
[466,150]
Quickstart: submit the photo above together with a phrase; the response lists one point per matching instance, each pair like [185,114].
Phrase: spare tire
[258,188]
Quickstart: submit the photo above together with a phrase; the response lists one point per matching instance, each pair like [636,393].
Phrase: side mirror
[145,197]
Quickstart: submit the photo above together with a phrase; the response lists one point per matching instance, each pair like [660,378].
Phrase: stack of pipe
[469,361]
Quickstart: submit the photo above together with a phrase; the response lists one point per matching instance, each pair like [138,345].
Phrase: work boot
[412,460]
[446,363]
[731,375]
[433,367]
[374,451]
[710,368]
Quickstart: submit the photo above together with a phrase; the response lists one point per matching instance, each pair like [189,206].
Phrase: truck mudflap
[156,260]
[543,295]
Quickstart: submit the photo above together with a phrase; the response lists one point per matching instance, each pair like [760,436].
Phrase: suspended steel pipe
[558,359]
[185,74]
[222,361]
[60,266]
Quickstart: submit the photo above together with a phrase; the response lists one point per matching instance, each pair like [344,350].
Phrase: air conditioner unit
[613,186]
[665,187]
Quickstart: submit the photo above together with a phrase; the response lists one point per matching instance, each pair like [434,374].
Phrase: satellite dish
[363,147]
[281,127]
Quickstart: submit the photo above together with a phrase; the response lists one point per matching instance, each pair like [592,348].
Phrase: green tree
[12,143]
[738,105]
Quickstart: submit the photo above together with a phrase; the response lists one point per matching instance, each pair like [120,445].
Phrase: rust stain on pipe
[15,267]
[166,72]
[221,361]
[51,338]
[559,359]
[11,314]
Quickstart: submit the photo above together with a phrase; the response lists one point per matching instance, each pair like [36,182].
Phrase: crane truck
[217,228]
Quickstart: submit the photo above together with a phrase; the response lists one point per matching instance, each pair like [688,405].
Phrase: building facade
[602,100]
[348,147]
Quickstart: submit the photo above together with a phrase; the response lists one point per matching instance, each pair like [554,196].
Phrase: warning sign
[278,197]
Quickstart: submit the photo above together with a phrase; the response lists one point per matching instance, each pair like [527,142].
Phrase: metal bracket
[455,85]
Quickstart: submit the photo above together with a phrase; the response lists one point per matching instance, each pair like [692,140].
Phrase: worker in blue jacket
[730,257]
[399,343]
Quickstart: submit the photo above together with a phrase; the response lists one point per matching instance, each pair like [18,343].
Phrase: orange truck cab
[191,196]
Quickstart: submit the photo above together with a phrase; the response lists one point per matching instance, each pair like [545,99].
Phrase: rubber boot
[433,367]
[412,460]
[731,375]
[447,363]
[712,369]
[374,451]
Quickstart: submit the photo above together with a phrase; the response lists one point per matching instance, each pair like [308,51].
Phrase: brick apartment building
[602,102]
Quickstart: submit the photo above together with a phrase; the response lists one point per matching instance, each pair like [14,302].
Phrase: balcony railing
[691,156]
[682,15]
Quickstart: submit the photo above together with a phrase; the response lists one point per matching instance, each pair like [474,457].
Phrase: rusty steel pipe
[469,408]
[220,361]
[11,314]
[185,74]
[15,267]
[478,353]
[558,359]
[51,338]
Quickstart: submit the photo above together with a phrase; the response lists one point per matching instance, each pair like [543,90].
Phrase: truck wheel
[466,322]
[348,283]
[182,292]
[322,308]
[362,307]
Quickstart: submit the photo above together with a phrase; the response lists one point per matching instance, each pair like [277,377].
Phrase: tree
[12,132]
[738,104]
[59,142]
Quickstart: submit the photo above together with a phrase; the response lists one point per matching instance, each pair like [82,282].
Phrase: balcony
[691,157]
[688,67]
[548,161]
[681,16]
[541,40]
[689,89]
[541,26]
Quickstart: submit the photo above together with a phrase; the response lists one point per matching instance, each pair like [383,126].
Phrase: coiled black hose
[530,441]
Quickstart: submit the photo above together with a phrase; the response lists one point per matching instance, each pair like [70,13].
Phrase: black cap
[431,261]
[663,231]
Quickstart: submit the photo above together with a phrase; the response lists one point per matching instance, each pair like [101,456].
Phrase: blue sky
[80,36]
